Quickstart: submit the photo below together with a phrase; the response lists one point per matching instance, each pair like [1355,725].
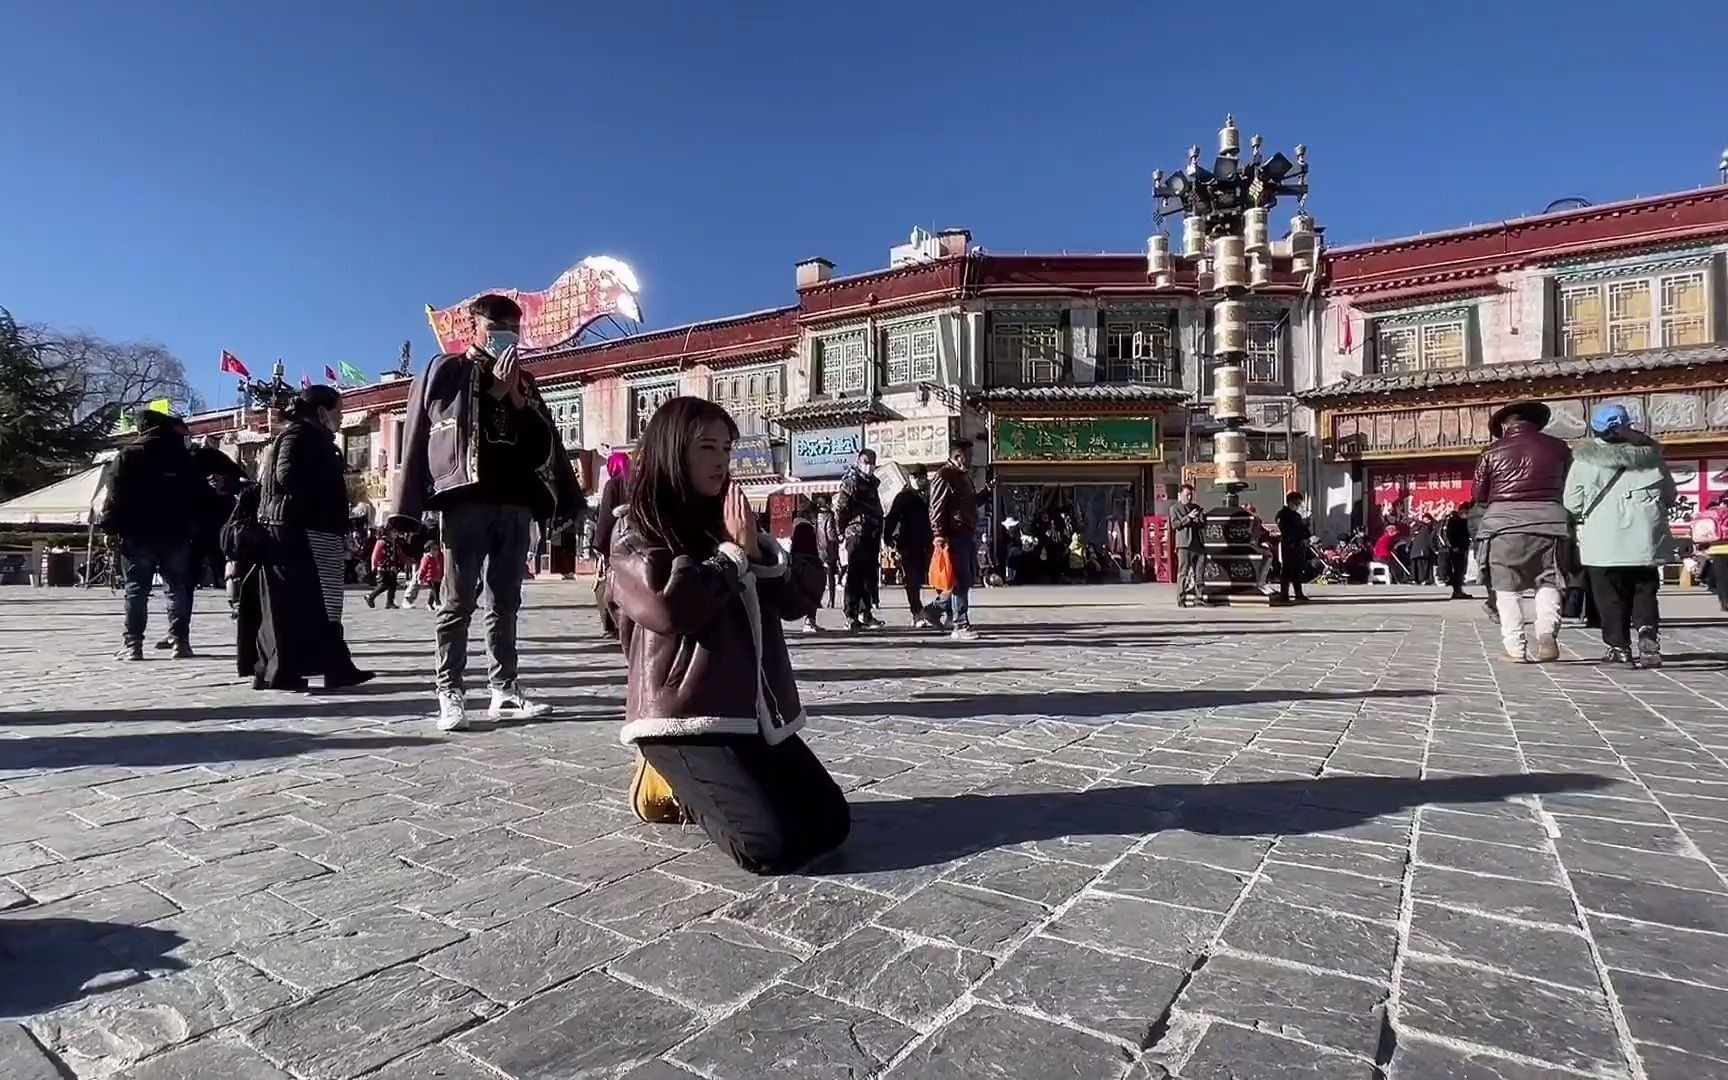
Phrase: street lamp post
[272,395]
[1225,212]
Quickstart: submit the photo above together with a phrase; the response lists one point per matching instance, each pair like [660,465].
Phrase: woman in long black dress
[303,508]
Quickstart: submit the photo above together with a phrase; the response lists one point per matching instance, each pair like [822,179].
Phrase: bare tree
[114,375]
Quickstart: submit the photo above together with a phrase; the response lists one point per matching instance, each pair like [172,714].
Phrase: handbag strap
[1602,494]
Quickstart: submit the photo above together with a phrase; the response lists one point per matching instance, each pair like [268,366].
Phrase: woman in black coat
[303,509]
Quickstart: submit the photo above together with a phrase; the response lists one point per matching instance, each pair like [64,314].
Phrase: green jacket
[1629,524]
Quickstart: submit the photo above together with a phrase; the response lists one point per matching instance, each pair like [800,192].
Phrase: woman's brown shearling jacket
[703,638]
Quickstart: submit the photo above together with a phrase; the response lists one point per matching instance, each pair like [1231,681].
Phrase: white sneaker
[871,622]
[511,703]
[963,633]
[1547,649]
[810,627]
[452,711]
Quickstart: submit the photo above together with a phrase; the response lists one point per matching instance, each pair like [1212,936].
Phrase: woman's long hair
[665,507]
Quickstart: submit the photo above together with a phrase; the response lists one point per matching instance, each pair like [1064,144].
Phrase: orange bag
[941,576]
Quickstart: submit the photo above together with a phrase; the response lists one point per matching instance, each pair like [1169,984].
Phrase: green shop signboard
[1103,438]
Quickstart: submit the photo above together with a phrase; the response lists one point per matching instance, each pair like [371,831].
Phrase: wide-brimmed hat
[1534,411]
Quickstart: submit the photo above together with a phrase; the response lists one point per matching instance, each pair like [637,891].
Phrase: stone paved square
[1110,839]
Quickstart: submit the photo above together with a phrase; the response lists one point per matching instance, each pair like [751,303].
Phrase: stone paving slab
[1110,839]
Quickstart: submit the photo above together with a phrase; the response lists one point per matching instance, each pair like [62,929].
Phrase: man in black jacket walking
[152,505]
[907,528]
[1293,537]
[858,514]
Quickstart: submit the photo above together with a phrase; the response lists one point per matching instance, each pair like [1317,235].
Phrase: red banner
[592,289]
[1407,493]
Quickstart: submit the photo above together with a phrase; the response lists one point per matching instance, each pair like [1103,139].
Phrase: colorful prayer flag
[352,373]
[161,405]
[305,381]
[330,375]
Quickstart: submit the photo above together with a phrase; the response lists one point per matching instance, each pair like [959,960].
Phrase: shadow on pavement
[49,962]
[270,706]
[1095,703]
[184,747]
[902,834]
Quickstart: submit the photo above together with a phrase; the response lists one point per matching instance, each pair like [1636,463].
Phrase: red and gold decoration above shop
[594,288]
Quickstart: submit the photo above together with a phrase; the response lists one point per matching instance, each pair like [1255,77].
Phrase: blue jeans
[954,602]
[144,560]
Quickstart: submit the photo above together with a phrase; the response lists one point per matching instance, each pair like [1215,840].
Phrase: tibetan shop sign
[817,455]
[911,442]
[1102,438]
[752,456]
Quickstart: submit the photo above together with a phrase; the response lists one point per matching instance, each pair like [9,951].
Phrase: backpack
[1705,530]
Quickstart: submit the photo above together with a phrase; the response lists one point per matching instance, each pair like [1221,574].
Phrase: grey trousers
[485,546]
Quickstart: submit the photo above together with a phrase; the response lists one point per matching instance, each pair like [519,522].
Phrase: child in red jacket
[431,574]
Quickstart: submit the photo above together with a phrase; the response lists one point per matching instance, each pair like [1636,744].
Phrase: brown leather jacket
[1523,465]
[953,504]
[441,451]
[704,643]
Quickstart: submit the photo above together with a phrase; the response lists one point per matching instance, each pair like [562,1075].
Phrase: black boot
[132,650]
[1649,648]
[183,649]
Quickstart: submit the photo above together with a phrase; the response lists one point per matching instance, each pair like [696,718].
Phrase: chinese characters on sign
[825,453]
[593,288]
[752,455]
[1699,481]
[1409,493]
[911,442]
[1111,438]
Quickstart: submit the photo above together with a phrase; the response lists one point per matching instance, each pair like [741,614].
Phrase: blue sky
[299,183]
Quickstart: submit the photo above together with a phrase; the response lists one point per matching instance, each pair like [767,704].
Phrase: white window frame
[1419,334]
[1154,361]
[1265,352]
[567,418]
[843,365]
[912,347]
[645,400]
[1657,330]
[1030,350]
[750,395]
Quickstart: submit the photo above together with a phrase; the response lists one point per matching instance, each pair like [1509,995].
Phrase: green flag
[352,373]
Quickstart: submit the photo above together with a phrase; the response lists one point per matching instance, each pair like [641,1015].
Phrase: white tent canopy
[72,501]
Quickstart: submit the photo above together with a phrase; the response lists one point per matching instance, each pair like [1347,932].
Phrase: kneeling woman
[712,705]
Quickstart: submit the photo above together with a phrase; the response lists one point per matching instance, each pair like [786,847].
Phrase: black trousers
[1422,569]
[833,578]
[1626,598]
[863,571]
[385,586]
[1290,566]
[1457,563]
[914,564]
[772,808]
[1719,578]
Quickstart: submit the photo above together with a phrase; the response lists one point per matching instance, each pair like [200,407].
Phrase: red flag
[1346,331]
[305,382]
[231,365]
[330,375]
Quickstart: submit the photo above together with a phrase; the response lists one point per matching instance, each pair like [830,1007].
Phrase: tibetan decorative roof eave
[813,414]
[718,339]
[1524,242]
[1097,273]
[1656,364]
[1101,397]
[1454,287]
[934,283]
